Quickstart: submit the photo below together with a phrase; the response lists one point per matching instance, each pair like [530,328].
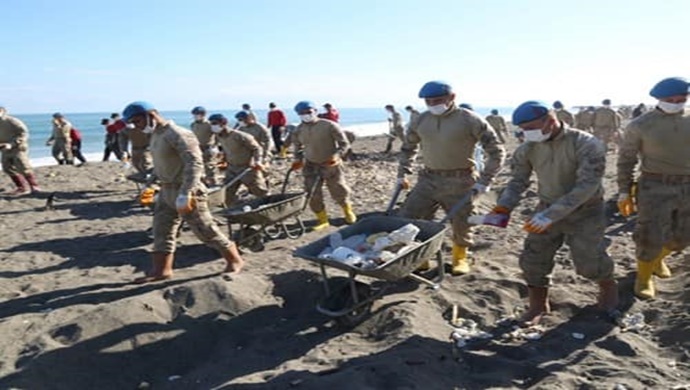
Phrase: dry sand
[70,319]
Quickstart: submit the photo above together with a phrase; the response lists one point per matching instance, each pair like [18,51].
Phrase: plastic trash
[354,242]
[382,243]
[247,208]
[335,240]
[633,322]
[347,256]
[405,234]
[498,220]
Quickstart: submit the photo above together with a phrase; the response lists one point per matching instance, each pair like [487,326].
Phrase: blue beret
[467,106]
[242,115]
[136,108]
[218,118]
[557,104]
[529,111]
[198,110]
[671,86]
[304,105]
[434,89]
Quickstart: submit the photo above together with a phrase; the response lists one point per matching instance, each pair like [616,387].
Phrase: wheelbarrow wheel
[362,311]
[251,239]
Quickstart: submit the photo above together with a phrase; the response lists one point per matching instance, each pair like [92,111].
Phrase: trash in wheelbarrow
[425,244]
[373,250]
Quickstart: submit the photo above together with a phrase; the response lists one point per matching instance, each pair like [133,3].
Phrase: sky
[97,56]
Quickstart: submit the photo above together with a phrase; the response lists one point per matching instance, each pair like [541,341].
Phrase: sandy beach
[71,319]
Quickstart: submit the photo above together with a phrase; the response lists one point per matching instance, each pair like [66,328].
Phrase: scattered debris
[632,322]
[578,336]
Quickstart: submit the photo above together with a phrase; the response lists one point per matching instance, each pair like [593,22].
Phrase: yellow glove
[626,205]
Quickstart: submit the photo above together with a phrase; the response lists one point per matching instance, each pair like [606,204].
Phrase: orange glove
[626,205]
[259,167]
[332,162]
[297,165]
[500,210]
[404,183]
[147,196]
[185,203]
[538,224]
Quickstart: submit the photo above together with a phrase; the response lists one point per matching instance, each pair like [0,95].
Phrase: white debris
[174,377]
[531,333]
[465,331]
[247,208]
[632,323]
[578,336]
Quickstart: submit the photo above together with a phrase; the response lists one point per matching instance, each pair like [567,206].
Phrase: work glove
[538,224]
[147,197]
[480,189]
[626,205]
[332,162]
[499,217]
[297,165]
[403,183]
[184,203]
[5,146]
[258,167]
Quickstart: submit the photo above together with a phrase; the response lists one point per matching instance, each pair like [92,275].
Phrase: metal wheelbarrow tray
[352,301]
[268,214]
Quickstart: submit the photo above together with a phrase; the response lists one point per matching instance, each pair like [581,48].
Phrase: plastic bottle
[405,234]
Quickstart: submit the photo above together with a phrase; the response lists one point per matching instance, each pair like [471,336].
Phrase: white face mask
[241,123]
[150,126]
[671,108]
[535,135]
[438,109]
[216,128]
[306,118]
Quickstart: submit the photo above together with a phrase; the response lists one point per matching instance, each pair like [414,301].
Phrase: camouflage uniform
[141,153]
[448,142]
[584,120]
[207,141]
[262,136]
[499,125]
[564,115]
[241,151]
[569,171]
[606,123]
[397,130]
[62,144]
[660,142]
[178,164]
[15,161]
[319,142]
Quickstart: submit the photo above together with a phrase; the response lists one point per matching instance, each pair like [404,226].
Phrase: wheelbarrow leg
[436,282]
[324,276]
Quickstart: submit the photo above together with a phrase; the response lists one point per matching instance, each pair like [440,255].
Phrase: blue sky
[84,56]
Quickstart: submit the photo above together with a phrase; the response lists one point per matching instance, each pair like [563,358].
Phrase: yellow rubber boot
[283,152]
[321,220]
[350,216]
[661,270]
[461,264]
[644,285]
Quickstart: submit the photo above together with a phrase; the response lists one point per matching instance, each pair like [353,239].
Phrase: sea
[362,121]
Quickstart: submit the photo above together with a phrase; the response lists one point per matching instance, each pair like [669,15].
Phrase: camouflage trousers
[433,191]
[142,160]
[607,135]
[16,162]
[663,215]
[62,150]
[583,232]
[166,222]
[209,162]
[254,181]
[332,176]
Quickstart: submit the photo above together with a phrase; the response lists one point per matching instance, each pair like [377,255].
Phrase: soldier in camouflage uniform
[319,146]
[178,164]
[563,115]
[499,125]
[448,136]
[584,119]
[569,165]
[248,124]
[659,140]
[605,123]
[396,127]
[207,141]
[241,152]
[61,141]
[142,160]
[14,145]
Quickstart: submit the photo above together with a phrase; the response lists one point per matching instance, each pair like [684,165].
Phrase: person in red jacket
[75,136]
[330,114]
[276,122]
[112,144]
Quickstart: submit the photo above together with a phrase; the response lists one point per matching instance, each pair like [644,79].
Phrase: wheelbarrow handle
[237,178]
[457,206]
[394,199]
[285,182]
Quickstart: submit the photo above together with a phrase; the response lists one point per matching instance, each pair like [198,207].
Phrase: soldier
[396,127]
[60,139]
[584,119]
[248,124]
[562,114]
[319,145]
[569,165]
[241,152]
[414,114]
[606,123]
[448,136]
[178,164]
[14,145]
[639,110]
[142,160]
[498,124]
[659,140]
[207,141]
